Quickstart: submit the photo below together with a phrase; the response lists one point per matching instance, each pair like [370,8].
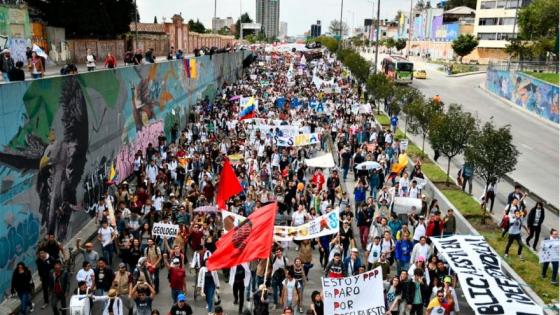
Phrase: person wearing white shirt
[419,230]
[421,249]
[152,172]
[414,191]
[106,235]
[86,274]
[373,251]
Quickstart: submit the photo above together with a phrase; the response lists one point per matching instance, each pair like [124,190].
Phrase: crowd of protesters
[175,181]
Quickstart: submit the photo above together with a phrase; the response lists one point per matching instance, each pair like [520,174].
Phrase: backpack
[280,274]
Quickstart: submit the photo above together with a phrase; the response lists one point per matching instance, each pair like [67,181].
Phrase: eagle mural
[59,163]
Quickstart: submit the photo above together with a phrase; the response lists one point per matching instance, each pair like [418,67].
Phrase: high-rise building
[283,32]
[218,23]
[268,15]
[316,29]
[495,25]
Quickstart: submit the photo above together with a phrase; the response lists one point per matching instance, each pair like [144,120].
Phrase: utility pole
[377,37]
[136,23]
[340,26]
[215,16]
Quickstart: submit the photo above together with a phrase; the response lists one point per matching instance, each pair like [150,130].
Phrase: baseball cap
[447,279]
[181,298]
[420,258]
[355,250]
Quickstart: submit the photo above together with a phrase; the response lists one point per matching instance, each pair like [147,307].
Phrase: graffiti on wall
[61,136]
[531,94]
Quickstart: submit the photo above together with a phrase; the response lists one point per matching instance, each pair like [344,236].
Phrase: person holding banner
[554,262]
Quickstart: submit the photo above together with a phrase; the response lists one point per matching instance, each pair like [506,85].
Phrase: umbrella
[368,165]
[206,209]
[236,97]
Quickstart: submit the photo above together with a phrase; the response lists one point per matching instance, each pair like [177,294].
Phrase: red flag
[250,240]
[228,186]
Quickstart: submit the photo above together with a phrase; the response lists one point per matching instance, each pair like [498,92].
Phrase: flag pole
[265,273]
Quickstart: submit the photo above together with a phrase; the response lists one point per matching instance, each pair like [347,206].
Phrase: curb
[465,74]
[521,110]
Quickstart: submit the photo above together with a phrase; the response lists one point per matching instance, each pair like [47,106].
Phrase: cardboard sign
[359,294]
[165,230]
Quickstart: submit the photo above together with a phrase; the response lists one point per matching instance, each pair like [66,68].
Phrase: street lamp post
[136,24]
[340,25]
[377,37]
[410,30]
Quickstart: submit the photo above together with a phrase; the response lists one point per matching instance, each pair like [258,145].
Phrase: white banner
[487,288]
[287,131]
[402,205]
[359,294]
[299,140]
[325,224]
[550,249]
[165,230]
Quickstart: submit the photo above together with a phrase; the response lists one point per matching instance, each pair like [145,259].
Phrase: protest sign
[402,205]
[298,140]
[165,230]
[359,294]
[325,224]
[487,289]
[420,182]
[404,144]
[550,250]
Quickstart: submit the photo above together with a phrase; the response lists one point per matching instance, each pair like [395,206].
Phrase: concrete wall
[533,95]
[60,136]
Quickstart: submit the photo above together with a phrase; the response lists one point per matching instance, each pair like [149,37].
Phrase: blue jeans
[276,288]
[402,265]
[108,253]
[209,290]
[36,75]
[554,270]
[344,173]
[175,293]
[25,300]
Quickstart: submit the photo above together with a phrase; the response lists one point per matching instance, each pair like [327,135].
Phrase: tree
[245,18]
[86,18]
[450,133]
[520,49]
[390,43]
[464,45]
[358,66]
[400,44]
[334,28]
[379,87]
[155,19]
[197,26]
[492,153]
[420,114]
[538,23]
[330,42]
[224,31]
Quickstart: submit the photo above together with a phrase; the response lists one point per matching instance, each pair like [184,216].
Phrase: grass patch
[461,68]
[549,77]
[434,173]
[529,269]
[383,120]
[464,202]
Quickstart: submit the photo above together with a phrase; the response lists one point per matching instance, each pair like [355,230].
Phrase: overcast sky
[299,14]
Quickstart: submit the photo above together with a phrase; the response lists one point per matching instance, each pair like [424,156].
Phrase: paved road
[537,142]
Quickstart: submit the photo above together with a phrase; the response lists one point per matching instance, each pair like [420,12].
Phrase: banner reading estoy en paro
[360,294]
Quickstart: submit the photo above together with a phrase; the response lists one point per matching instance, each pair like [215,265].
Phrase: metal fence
[534,66]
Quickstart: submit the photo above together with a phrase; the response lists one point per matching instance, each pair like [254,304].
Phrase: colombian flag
[248,108]
[398,167]
[192,67]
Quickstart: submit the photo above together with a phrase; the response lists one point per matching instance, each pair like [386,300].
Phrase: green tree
[379,87]
[197,26]
[390,43]
[420,114]
[464,45]
[224,31]
[450,133]
[492,153]
[520,49]
[155,19]
[400,44]
[245,18]
[86,18]
[330,42]
[538,23]
[356,63]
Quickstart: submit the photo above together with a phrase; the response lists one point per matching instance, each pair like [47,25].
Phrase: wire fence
[534,66]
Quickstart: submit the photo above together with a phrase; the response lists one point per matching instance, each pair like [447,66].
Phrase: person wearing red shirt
[435,226]
[110,61]
[318,179]
[177,277]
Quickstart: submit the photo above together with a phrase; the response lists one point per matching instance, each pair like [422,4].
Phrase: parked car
[420,74]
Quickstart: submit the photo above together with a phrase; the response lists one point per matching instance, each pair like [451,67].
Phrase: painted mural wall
[60,137]
[531,94]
